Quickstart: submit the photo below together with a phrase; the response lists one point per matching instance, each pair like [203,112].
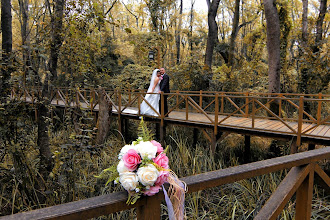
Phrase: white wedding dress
[152,99]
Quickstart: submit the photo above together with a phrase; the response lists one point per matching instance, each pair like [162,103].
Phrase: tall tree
[178,34]
[212,37]
[24,20]
[46,162]
[56,37]
[7,44]
[273,46]
[319,25]
[234,33]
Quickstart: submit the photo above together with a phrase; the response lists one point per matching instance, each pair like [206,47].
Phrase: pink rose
[158,145]
[161,160]
[162,178]
[152,191]
[131,159]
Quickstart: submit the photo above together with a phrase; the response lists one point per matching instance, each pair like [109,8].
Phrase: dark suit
[164,87]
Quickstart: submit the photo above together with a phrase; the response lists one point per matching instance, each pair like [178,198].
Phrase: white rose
[124,150]
[129,180]
[121,168]
[146,149]
[148,175]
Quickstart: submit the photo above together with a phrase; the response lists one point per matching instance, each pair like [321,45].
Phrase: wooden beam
[151,210]
[283,193]
[305,196]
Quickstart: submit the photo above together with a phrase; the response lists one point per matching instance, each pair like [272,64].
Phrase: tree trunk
[191,28]
[46,161]
[273,46]
[319,24]
[103,118]
[7,43]
[57,38]
[24,11]
[304,33]
[178,37]
[234,33]
[212,37]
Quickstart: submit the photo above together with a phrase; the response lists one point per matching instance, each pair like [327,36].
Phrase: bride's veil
[152,81]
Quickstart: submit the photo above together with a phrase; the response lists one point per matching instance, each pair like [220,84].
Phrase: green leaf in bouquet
[110,173]
[132,198]
[144,132]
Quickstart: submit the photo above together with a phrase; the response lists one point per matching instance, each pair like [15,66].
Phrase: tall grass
[77,162]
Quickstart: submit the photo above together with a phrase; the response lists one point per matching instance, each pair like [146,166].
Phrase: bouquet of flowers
[143,169]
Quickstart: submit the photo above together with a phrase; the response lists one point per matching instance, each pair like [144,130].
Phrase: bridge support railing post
[247,106]
[304,196]
[319,107]
[162,116]
[151,210]
[300,120]
[216,121]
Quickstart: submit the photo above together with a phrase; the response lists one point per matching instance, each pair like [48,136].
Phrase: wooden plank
[323,131]
[283,193]
[328,133]
[317,130]
[84,209]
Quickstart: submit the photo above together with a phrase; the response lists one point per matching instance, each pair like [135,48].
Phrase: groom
[164,87]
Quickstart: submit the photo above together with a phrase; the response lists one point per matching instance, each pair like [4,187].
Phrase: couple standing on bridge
[159,83]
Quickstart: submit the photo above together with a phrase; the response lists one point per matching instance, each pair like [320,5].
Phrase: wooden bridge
[299,117]
[220,112]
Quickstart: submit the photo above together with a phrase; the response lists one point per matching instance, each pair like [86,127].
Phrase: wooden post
[280,107]
[201,99]
[319,108]
[247,150]
[151,210]
[300,118]
[216,121]
[222,103]
[187,107]
[162,116]
[57,97]
[253,112]
[177,97]
[129,95]
[247,106]
[305,196]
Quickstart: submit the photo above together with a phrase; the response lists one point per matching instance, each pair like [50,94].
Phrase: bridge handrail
[149,207]
[211,105]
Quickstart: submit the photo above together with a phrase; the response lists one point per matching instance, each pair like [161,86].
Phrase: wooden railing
[216,107]
[299,180]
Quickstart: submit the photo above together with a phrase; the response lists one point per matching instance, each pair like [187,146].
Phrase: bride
[152,99]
